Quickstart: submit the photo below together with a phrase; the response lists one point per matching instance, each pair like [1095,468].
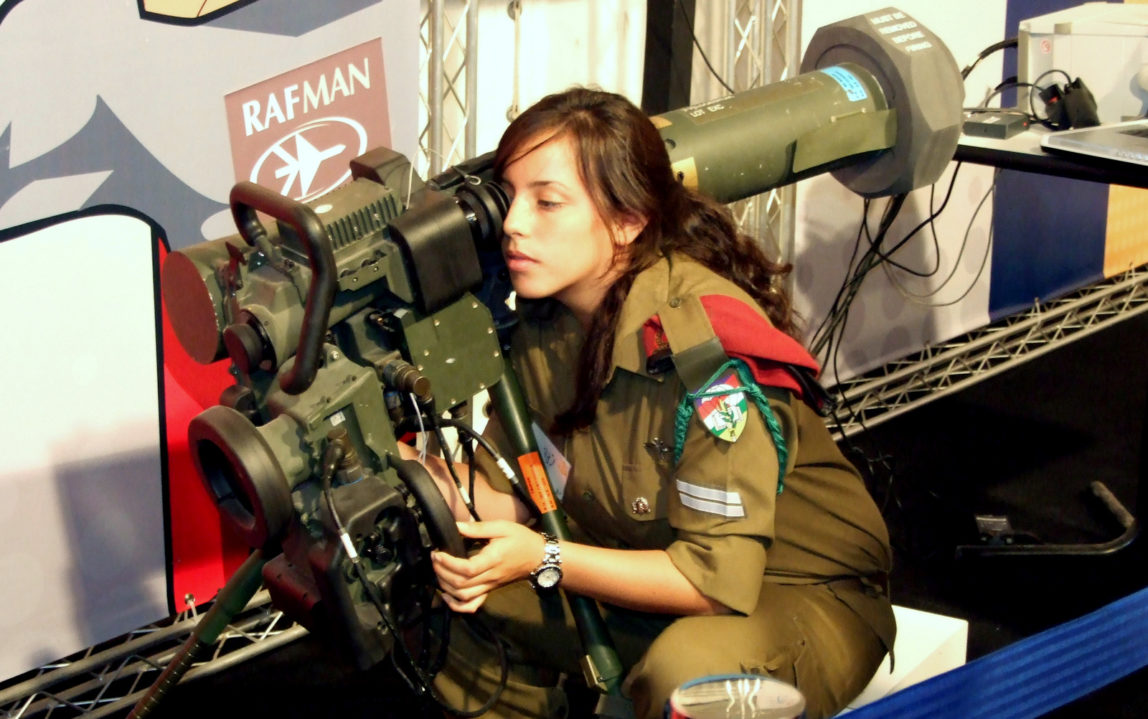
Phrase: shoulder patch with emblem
[722,407]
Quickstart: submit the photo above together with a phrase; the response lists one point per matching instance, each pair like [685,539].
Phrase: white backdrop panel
[81,522]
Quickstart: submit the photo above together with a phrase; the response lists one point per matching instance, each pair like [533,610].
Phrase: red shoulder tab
[746,335]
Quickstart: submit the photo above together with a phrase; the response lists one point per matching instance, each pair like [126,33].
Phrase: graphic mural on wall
[149,111]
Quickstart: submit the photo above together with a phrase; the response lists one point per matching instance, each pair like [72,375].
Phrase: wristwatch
[548,574]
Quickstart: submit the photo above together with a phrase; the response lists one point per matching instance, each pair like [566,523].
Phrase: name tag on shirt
[557,466]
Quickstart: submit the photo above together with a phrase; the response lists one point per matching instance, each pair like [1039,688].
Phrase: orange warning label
[534,472]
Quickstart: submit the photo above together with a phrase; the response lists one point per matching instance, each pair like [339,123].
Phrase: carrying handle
[247,198]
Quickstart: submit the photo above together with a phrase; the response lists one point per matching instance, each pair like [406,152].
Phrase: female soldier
[718,526]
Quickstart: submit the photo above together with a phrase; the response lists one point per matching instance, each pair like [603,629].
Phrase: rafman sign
[295,133]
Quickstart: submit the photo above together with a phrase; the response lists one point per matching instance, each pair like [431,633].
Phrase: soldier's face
[555,242]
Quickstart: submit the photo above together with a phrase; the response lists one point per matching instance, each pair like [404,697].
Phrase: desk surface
[1023,152]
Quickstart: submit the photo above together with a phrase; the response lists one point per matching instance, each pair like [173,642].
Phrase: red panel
[204,552]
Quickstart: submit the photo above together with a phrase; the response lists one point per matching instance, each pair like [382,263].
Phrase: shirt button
[675,302]
[587,495]
[640,506]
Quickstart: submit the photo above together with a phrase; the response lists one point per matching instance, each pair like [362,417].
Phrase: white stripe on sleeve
[710,500]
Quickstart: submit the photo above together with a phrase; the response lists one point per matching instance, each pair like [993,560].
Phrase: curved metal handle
[246,199]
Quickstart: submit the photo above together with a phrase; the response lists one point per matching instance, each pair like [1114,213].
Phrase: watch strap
[551,560]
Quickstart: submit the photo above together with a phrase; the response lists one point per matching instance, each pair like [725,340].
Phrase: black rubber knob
[244,346]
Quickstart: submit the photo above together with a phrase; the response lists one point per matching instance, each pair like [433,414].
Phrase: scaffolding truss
[763,46]
[448,89]
[109,678]
[940,370]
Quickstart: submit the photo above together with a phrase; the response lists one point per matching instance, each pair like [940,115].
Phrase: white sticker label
[557,467]
[853,88]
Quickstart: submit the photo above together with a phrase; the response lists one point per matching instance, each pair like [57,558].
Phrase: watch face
[548,577]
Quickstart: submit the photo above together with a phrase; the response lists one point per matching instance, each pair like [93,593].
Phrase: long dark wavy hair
[625,167]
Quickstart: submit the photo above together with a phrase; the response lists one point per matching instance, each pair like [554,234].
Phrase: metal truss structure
[109,678]
[764,48]
[949,367]
[760,42]
[448,89]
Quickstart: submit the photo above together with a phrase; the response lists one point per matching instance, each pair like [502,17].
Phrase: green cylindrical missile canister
[755,140]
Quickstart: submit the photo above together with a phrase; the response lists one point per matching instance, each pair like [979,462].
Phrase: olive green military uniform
[804,571]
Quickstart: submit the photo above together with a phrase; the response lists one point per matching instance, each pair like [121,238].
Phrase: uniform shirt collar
[647,296]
